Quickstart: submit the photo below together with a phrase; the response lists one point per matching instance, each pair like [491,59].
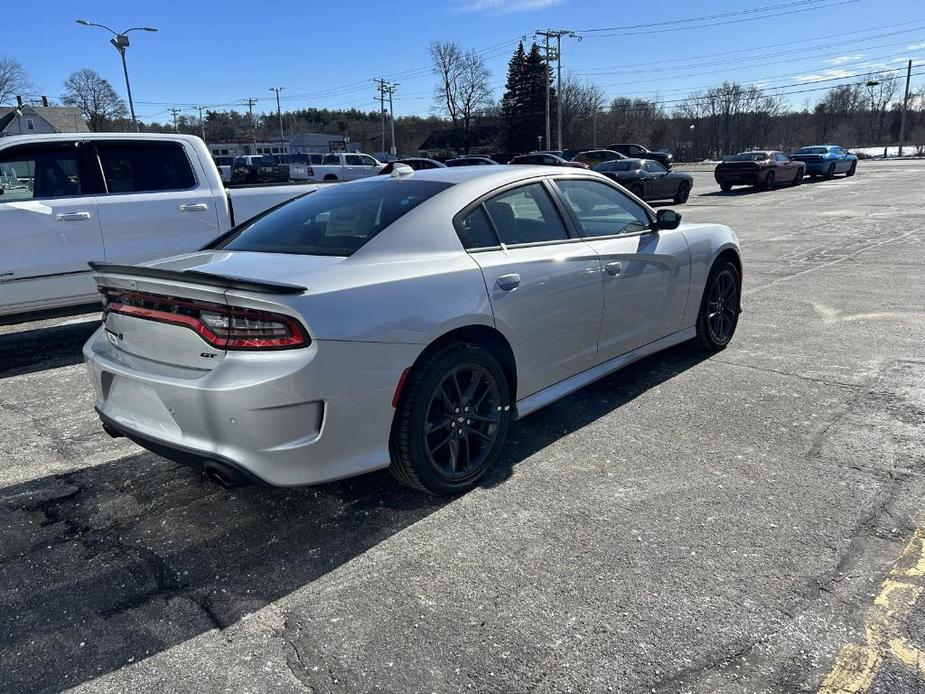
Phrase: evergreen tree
[523,107]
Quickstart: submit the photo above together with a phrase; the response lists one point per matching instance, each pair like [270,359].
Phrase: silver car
[400,321]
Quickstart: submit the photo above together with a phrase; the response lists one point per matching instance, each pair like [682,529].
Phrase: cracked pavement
[689,524]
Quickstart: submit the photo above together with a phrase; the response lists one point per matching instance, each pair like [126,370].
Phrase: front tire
[451,420]
[719,307]
[725,187]
[637,190]
[852,170]
[684,191]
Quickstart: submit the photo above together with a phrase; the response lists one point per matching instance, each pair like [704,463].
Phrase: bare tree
[463,91]
[581,106]
[13,80]
[95,97]
[881,90]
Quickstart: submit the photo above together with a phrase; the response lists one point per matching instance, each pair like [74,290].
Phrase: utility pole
[391,89]
[175,111]
[383,88]
[902,119]
[555,54]
[279,113]
[202,125]
[249,102]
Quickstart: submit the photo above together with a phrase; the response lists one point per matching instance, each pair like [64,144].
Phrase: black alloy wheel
[719,308]
[451,420]
[852,170]
[769,181]
[684,191]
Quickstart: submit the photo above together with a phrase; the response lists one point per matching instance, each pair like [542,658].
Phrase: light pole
[120,42]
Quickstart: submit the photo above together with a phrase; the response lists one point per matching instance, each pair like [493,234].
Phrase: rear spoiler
[205,278]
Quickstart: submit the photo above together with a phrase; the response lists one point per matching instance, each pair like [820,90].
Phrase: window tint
[27,173]
[602,210]
[353,160]
[636,150]
[330,159]
[526,215]
[475,230]
[135,168]
[655,167]
[336,220]
[367,160]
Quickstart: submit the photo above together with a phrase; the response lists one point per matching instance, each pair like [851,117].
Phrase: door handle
[72,216]
[509,282]
[614,268]
[194,207]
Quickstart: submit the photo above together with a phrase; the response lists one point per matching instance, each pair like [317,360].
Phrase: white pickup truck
[345,167]
[110,197]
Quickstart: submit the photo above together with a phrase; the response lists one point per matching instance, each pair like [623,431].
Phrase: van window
[28,173]
[145,168]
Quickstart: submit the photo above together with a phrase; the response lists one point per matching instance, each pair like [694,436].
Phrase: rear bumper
[284,418]
[817,167]
[746,178]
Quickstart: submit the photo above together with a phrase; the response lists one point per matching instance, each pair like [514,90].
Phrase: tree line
[706,124]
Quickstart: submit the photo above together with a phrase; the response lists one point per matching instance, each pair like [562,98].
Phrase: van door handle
[73,216]
[614,268]
[194,207]
[509,282]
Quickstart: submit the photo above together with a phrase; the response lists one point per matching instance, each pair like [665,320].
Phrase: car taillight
[311,171]
[224,327]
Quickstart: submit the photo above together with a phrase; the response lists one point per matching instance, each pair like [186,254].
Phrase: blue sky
[326,54]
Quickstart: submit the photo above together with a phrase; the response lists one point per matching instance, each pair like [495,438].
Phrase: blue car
[827,160]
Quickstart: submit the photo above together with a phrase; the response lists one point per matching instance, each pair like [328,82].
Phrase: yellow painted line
[857,664]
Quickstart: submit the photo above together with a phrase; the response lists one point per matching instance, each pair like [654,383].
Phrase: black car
[648,179]
[472,161]
[763,169]
[639,152]
[416,163]
[547,159]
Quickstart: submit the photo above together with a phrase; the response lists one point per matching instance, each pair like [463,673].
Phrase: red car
[546,159]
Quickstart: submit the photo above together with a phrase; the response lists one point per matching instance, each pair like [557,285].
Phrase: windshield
[337,220]
[748,156]
[619,165]
[813,150]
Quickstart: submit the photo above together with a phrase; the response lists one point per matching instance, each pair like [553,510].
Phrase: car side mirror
[667,220]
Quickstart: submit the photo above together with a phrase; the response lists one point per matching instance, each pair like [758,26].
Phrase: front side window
[353,160]
[655,168]
[337,220]
[367,160]
[145,168]
[602,210]
[31,173]
[526,215]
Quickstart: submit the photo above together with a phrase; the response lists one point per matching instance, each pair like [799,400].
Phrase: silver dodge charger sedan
[400,321]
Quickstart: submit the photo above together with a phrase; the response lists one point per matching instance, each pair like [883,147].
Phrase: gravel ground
[747,522]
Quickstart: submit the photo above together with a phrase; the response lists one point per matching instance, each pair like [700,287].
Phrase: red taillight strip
[297,337]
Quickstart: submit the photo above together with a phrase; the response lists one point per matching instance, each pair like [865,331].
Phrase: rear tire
[330,177]
[725,187]
[451,420]
[769,181]
[719,307]
[830,172]
[684,191]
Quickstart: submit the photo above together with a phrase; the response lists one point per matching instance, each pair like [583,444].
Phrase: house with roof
[41,120]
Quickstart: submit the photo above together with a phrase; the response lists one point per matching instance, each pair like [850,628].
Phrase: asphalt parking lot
[748,522]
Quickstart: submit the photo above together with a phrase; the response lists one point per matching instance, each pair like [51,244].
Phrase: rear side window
[337,220]
[602,210]
[526,215]
[137,168]
[28,173]
[476,231]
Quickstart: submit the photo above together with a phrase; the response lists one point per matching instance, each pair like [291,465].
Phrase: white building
[41,120]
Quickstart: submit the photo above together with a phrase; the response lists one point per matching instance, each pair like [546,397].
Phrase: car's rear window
[336,220]
[813,150]
[748,156]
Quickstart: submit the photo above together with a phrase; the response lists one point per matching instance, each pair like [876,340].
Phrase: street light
[120,42]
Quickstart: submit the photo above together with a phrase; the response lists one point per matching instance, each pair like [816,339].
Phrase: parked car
[761,169]
[547,159]
[244,168]
[346,166]
[593,157]
[472,160]
[416,163]
[121,198]
[273,168]
[827,160]
[224,164]
[400,321]
[639,152]
[647,179]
